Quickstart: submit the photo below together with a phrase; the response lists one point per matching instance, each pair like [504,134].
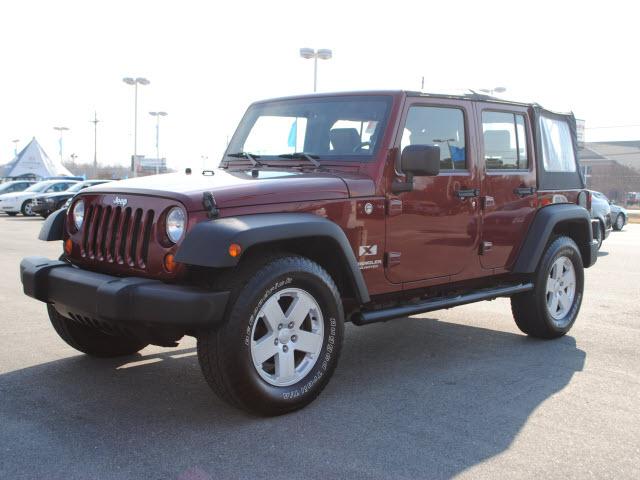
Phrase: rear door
[433,230]
[509,181]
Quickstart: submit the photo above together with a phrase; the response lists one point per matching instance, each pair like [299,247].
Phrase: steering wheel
[362,144]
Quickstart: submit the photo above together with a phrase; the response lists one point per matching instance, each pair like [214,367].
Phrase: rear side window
[505,141]
[557,146]
[441,127]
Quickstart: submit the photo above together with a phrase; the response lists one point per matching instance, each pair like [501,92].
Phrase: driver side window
[441,127]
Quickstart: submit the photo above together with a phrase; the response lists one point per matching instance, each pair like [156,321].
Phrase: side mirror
[421,160]
[417,160]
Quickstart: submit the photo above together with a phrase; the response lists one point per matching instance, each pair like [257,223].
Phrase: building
[612,168]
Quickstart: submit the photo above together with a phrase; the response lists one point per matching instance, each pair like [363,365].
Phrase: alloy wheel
[560,289]
[286,337]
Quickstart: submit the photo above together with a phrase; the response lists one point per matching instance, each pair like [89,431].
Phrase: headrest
[344,140]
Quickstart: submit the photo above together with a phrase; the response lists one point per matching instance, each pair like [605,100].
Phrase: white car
[20,202]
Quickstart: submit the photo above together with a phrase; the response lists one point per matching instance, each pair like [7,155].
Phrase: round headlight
[176,221]
[78,214]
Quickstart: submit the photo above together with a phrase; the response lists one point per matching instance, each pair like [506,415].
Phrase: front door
[508,189]
[433,230]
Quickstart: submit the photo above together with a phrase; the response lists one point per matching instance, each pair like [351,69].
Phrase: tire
[600,235]
[12,214]
[532,310]
[25,209]
[619,223]
[92,341]
[226,355]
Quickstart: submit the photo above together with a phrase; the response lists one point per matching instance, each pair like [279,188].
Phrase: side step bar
[373,316]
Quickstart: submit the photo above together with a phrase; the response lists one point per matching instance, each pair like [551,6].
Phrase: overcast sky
[208,60]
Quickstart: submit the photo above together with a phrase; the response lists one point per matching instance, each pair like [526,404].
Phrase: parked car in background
[619,216]
[601,211]
[15,186]
[48,203]
[20,202]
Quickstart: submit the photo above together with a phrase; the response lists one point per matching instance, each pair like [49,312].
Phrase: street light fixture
[61,131]
[135,82]
[322,54]
[492,91]
[158,115]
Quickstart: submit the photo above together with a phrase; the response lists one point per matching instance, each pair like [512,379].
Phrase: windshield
[78,186]
[38,187]
[329,128]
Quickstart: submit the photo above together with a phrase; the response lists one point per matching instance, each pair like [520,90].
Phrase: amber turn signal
[68,245]
[170,263]
[235,250]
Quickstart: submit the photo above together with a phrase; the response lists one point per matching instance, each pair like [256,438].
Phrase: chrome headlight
[175,224]
[78,214]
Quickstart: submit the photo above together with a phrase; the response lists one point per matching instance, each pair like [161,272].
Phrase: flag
[293,134]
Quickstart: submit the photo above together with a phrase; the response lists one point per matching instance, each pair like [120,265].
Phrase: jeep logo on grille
[120,201]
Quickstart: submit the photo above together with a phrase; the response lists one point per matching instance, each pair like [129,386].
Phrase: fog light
[170,263]
[235,250]
[68,245]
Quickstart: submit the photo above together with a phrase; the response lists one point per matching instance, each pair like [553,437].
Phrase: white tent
[33,161]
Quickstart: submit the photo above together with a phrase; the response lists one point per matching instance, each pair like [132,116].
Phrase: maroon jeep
[360,207]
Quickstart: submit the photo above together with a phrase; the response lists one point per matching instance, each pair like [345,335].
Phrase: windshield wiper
[299,155]
[250,156]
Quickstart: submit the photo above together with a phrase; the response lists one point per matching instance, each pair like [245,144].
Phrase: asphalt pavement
[453,393]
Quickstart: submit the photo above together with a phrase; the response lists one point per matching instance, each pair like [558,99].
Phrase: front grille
[117,235]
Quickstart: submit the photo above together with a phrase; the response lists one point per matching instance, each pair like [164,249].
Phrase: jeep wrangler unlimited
[360,207]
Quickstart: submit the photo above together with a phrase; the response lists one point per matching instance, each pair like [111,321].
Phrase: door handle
[524,191]
[468,193]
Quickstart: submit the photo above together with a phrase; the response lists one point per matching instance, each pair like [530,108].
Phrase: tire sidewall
[619,224]
[248,386]
[567,248]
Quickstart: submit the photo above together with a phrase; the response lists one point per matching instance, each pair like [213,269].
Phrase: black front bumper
[120,301]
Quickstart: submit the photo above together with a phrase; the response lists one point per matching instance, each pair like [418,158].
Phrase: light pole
[158,115]
[95,122]
[135,82]
[322,54]
[15,147]
[61,131]
[491,91]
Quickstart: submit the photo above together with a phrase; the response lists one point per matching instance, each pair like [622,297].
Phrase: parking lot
[454,393]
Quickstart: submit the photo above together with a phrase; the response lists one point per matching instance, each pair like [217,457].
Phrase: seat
[344,140]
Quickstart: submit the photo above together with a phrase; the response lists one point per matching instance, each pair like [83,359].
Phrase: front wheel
[27,209]
[281,338]
[600,235]
[92,341]
[551,308]
[619,223]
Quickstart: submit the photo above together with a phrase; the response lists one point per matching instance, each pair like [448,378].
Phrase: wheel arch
[569,220]
[317,238]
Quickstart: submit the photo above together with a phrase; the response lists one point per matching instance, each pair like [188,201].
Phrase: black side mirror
[417,160]
[421,160]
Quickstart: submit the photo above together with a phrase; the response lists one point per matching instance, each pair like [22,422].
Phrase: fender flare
[541,229]
[53,226]
[207,243]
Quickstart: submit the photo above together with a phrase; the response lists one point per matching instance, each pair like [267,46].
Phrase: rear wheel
[619,223]
[600,234]
[551,308]
[281,338]
[12,214]
[92,341]
[26,209]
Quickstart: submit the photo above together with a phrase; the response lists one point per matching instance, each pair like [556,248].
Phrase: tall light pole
[491,91]
[95,122]
[322,54]
[158,115]
[61,131]
[135,82]
[15,146]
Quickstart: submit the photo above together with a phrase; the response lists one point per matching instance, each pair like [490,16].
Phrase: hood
[242,188]
[18,195]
